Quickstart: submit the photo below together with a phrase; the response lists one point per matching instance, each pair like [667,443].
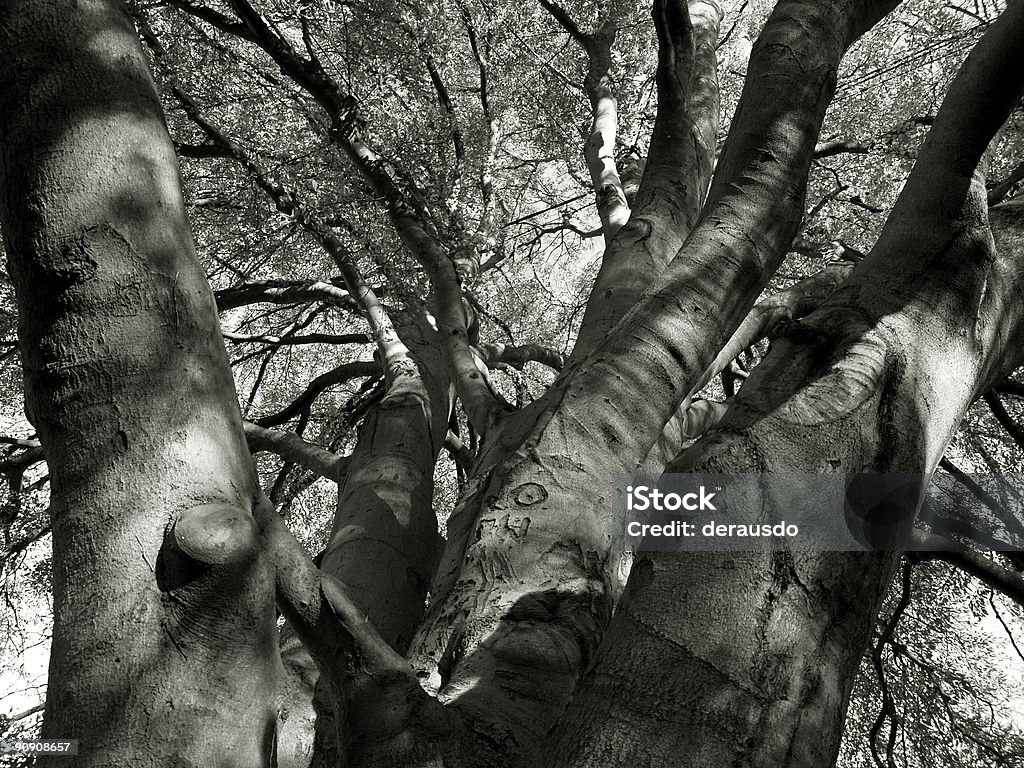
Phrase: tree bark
[384,543]
[518,618]
[164,640]
[677,171]
[875,380]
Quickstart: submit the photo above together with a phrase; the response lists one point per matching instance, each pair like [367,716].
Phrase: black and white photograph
[512,384]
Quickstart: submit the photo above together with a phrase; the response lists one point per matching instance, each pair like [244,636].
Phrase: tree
[513,640]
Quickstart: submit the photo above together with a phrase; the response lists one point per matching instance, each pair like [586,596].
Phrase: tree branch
[839,147]
[459,451]
[481,54]
[933,547]
[454,130]
[293,449]
[283,292]
[306,72]
[1010,387]
[8,553]
[1004,515]
[678,170]
[1000,190]
[398,365]
[214,18]
[1006,627]
[684,139]
[308,338]
[567,23]
[19,442]
[752,213]
[1012,427]
[480,402]
[26,713]
[888,710]
[344,372]
[518,356]
[22,461]
[768,315]
[763,320]
[283,198]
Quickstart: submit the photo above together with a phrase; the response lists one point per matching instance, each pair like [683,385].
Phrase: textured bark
[763,320]
[384,542]
[517,618]
[383,547]
[766,317]
[681,322]
[677,171]
[164,639]
[876,380]
[752,212]
[381,715]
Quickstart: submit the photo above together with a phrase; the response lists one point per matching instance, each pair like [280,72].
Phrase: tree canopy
[472,263]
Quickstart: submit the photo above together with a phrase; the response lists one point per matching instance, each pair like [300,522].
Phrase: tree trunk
[518,618]
[384,543]
[876,380]
[164,640]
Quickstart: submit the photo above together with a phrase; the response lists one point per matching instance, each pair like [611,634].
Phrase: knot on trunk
[528,494]
[216,533]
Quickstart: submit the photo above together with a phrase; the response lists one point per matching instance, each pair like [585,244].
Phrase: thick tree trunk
[164,640]
[518,618]
[677,171]
[876,380]
[384,544]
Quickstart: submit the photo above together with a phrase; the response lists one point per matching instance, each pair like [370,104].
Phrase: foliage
[478,109]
